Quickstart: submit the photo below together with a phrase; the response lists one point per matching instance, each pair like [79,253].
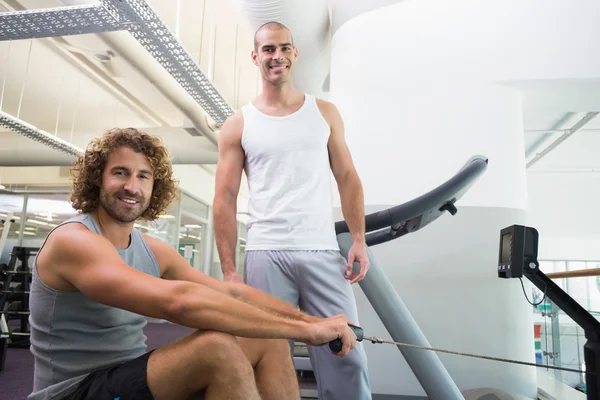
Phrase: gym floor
[17,378]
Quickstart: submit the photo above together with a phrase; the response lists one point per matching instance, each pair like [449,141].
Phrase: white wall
[196,180]
[490,40]
[34,176]
[200,183]
[563,207]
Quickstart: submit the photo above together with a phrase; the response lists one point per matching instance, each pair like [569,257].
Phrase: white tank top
[289,179]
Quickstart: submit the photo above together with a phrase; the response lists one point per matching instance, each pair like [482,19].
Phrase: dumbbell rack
[14,300]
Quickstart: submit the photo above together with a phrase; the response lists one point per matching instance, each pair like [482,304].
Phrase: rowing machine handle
[336,344]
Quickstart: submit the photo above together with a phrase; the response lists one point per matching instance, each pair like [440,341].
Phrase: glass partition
[44,212]
[560,340]
[192,230]
[10,205]
[194,207]
[184,226]
[164,228]
[593,286]
[191,247]
[585,290]
[561,345]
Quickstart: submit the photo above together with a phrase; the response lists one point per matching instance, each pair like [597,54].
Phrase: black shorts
[127,381]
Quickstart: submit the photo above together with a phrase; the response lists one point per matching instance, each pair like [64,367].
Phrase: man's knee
[220,349]
[280,348]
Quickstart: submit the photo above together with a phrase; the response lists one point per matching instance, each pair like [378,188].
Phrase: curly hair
[88,169]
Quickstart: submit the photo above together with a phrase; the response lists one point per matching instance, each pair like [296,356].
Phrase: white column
[420,93]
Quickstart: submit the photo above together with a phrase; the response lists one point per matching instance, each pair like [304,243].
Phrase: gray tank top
[72,335]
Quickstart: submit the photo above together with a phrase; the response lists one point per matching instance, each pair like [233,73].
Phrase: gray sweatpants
[314,280]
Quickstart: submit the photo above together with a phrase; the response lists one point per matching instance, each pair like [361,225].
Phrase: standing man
[288,142]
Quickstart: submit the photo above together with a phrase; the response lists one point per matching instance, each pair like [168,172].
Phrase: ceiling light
[23,128]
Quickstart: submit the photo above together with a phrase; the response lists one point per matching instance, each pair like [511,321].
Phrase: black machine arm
[518,258]
[385,225]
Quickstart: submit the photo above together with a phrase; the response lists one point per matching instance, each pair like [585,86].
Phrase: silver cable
[376,340]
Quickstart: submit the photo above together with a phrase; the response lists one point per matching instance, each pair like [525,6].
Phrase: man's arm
[349,187]
[175,267]
[227,186]
[90,263]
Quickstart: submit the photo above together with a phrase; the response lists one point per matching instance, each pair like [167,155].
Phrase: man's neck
[118,233]
[278,95]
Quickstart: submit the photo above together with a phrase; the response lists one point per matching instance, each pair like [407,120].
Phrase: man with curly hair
[96,277]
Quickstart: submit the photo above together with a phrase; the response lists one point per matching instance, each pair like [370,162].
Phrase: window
[578,287]
[164,228]
[194,207]
[191,234]
[593,287]
[44,213]
[11,210]
[192,231]
[586,291]
[241,248]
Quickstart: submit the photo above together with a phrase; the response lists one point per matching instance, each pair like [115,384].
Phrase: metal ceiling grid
[30,131]
[135,16]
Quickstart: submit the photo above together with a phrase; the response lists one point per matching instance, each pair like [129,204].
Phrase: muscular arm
[176,268]
[90,263]
[348,181]
[227,186]
[351,192]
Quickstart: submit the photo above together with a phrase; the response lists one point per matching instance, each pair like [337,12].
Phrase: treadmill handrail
[448,191]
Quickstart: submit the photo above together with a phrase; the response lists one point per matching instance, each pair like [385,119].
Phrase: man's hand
[325,330]
[357,253]
[232,276]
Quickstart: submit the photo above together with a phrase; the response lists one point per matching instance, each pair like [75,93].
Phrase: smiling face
[274,54]
[127,183]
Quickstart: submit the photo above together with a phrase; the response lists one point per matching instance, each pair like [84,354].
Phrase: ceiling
[558,105]
[60,86]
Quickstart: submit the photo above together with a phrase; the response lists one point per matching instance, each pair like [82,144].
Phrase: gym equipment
[5,224]
[396,222]
[336,346]
[517,258]
[14,301]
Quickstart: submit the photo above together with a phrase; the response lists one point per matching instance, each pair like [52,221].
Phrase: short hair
[89,167]
[271,25]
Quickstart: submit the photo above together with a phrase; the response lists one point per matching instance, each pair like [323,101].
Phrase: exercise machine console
[518,258]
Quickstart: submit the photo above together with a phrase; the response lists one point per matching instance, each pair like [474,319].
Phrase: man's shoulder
[152,242]
[325,104]
[64,234]
[69,240]
[163,252]
[234,120]
[159,248]
[232,127]
[327,109]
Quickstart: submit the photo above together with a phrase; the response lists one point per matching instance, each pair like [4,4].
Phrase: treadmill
[381,227]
